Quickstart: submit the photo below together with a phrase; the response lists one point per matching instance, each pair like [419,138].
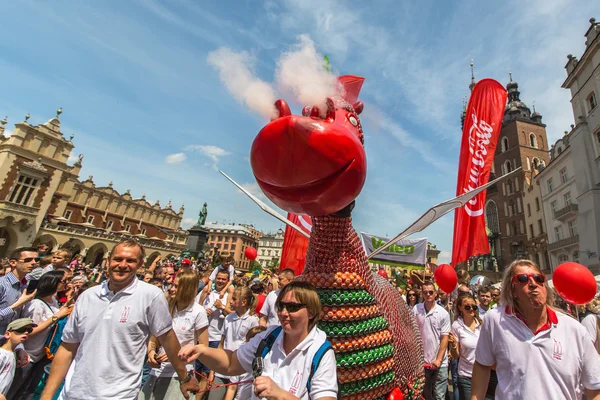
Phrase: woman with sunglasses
[412,298]
[44,311]
[287,365]
[539,353]
[463,341]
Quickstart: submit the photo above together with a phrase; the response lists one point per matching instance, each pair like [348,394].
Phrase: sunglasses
[21,331]
[429,292]
[290,307]
[30,259]
[412,295]
[469,307]
[524,278]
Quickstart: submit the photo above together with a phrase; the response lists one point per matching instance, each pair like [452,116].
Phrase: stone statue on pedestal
[202,216]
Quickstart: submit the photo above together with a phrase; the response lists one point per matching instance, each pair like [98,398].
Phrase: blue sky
[139,95]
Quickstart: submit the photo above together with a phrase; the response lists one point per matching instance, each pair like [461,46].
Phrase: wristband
[188,378]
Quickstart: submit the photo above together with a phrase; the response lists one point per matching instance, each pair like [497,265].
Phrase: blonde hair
[305,293]
[244,293]
[63,252]
[130,243]
[459,301]
[187,288]
[507,296]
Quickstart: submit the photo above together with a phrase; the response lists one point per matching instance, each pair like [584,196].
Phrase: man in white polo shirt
[484,295]
[268,314]
[539,353]
[107,334]
[434,324]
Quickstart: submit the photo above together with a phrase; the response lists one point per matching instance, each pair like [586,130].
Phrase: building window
[68,215]
[23,191]
[128,228]
[591,102]
[233,246]
[516,184]
[541,226]
[598,136]
[567,197]
[511,208]
[529,210]
[519,207]
[227,238]
[563,175]
[521,227]
[144,231]
[509,187]
[572,227]
[558,233]
[504,144]
[553,206]
[537,204]
[507,229]
[491,217]
[507,166]
[532,141]
[226,246]
[531,232]
[110,224]
[90,219]
[550,185]
[563,258]
[514,229]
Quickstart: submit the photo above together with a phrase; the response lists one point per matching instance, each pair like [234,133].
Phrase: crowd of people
[179,329]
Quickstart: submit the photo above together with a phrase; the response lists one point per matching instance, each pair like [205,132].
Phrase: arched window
[514,227]
[491,217]
[560,150]
[536,162]
[509,187]
[507,166]
[532,141]
[511,208]
[504,144]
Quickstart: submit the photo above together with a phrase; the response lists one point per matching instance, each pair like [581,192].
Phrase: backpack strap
[316,361]
[265,345]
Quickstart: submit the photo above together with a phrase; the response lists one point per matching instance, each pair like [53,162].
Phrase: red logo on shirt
[296,382]
[557,351]
[125,314]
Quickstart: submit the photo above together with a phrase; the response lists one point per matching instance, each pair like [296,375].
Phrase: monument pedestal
[196,240]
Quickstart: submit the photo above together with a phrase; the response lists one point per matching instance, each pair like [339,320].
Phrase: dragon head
[314,164]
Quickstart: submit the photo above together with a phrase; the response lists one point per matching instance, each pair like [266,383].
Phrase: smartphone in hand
[32,285]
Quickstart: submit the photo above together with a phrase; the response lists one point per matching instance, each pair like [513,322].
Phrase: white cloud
[444,257]
[176,158]
[7,132]
[213,152]
[72,158]
[187,223]
[254,189]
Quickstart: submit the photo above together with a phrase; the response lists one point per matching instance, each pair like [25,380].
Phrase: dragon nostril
[315,112]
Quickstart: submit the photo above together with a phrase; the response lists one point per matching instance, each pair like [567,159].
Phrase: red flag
[295,244]
[480,135]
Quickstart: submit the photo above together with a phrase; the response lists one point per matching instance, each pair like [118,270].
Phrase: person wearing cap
[539,353]
[16,333]
[108,331]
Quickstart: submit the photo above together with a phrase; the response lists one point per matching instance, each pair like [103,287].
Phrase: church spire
[472,85]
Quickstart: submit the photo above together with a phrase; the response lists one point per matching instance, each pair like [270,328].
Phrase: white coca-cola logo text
[479,139]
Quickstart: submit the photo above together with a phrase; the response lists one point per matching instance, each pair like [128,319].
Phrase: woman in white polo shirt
[463,341]
[190,325]
[286,367]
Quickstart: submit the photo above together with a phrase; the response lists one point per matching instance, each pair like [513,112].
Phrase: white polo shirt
[589,323]
[235,330]
[185,324]
[554,363]
[290,371]
[216,320]
[467,341]
[8,365]
[268,308]
[432,325]
[112,330]
[39,312]
[483,311]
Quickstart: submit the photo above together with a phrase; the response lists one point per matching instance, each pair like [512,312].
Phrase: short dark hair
[257,288]
[288,273]
[154,281]
[158,269]
[49,283]
[484,289]
[223,271]
[130,243]
[16,254]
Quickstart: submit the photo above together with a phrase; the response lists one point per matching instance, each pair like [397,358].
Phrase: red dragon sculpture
[315,164]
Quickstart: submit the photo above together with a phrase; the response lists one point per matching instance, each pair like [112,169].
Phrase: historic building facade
[42,200]
[583,80]
[231,240]
[269,249]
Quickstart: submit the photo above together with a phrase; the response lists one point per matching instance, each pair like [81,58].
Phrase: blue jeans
[464,387]
[436,384]
[454,374]
[201,368]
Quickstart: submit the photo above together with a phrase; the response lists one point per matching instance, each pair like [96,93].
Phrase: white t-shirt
[229,269]
[467,341]
[8,364]
[432,325]
[556,363]
[243,391]
[235,330]
[290,371]
[589,323]
[185,324]
[483,311]
[112,330]
[39,312]
[216,320]
[268,308]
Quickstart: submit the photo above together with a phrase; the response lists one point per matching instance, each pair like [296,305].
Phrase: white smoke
[300,76]
[236,72]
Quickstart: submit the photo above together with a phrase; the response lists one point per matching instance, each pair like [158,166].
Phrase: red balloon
[445,277]
[382,273]
[396,395]
[574,283]
[250,253]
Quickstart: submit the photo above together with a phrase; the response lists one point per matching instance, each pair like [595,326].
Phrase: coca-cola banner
[483,121]
[409,251]
[295,245]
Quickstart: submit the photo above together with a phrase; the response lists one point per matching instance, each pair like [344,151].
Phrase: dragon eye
[353,120]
